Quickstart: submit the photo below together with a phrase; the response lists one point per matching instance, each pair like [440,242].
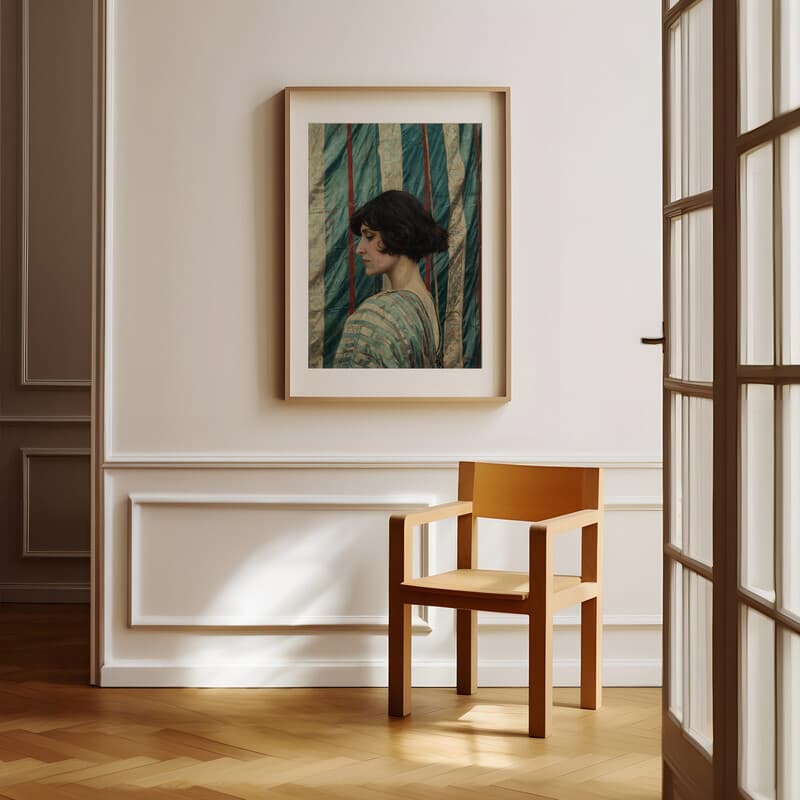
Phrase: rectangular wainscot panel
[55,502]
[266,561]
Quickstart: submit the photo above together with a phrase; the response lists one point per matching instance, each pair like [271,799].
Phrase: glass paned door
[689,223]
[731,724]
[767,594]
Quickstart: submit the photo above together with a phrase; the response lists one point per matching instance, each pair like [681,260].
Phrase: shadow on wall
[268,232]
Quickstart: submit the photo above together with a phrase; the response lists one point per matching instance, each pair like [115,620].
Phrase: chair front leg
[399,618]
[399,658]
[540,674]
[540,634]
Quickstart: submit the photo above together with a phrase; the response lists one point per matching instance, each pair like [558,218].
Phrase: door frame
[99,132]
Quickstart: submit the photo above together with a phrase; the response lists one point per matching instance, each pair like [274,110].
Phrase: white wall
[195,330]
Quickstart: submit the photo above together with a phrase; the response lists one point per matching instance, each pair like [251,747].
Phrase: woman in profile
[398,327]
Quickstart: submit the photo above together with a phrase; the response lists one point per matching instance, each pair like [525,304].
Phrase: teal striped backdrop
[349,164]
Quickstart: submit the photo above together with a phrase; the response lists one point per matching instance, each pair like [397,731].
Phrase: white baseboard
[616,672]
[44,592]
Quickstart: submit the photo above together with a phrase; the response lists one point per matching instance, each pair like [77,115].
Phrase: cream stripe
[390,152]
[453,346]
[316,243]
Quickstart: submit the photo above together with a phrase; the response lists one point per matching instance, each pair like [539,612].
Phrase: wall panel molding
[29,453]
[653,503]
[339,504]
[20,419]
[200,461]
[44,592]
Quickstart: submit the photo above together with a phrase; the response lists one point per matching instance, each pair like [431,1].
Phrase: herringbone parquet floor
[63,740]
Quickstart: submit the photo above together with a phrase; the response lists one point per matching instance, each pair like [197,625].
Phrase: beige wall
[45,292]
[202,453]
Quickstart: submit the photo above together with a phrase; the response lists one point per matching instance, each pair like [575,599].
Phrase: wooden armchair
[554,500]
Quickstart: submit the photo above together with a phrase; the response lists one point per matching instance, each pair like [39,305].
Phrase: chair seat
[500,585]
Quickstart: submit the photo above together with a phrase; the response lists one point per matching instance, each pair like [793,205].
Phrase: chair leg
[399,659]
[540,673]
[591,654]
[466,652]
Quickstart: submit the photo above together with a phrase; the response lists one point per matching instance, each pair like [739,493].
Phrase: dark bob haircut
[406,227]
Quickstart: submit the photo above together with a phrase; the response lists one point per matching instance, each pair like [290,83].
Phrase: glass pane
[790,563]
[677,432]
[700,722]
[789,57]
[758,490]
[676,641]
[690,102]
[756,257]
[789,717]
[699,72]
[790,240]
[701,474]
[700,332]
[757,768]
[676,113]
[676,261]
[755,63]
[691,296]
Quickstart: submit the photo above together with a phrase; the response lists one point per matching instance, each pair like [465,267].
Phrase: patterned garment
[391,330]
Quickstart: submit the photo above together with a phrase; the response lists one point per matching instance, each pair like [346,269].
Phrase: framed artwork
[397,243]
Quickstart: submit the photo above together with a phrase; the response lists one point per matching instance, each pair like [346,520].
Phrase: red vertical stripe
[427,170]
[477,146]
[351,201]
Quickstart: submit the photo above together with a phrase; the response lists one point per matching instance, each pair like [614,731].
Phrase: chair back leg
[591,653]
[466,651]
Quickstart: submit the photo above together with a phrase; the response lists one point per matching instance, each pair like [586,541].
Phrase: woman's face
[370,248]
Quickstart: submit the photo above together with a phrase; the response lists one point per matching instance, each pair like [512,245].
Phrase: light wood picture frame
[442,149]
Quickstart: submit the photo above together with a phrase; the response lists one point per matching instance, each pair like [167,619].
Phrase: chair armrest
[458,508]
[401,527]
[567,522]
[540,550]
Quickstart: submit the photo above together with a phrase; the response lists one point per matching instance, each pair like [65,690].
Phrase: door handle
[654,339]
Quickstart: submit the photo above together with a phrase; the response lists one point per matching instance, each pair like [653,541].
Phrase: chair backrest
[528,493]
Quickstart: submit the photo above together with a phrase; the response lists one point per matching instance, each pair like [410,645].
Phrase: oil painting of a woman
[394,246]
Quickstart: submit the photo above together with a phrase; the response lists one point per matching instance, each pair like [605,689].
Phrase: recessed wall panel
[57,181]
[240,561]
[56,501]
